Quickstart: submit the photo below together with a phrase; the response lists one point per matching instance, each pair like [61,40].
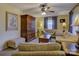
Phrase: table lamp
[64,26]
[76,23]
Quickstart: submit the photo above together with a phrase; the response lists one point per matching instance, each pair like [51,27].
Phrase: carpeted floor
[7,52]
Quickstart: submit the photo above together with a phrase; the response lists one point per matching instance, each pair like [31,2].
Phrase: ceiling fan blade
[52,11]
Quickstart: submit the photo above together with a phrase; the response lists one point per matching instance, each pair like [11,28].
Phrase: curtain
[55,22]
[70,21]
[45,22]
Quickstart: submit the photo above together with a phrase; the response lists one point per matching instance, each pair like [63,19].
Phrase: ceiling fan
[45,8]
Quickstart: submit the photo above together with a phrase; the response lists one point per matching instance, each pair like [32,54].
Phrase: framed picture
[11,21]
[62,20]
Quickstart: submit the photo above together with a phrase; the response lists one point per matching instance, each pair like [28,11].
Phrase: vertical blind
[50,24]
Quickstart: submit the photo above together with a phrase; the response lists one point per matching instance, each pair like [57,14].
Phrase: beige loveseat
[40,49]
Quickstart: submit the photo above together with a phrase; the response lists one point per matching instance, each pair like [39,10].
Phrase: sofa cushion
[27,47]
[40,47]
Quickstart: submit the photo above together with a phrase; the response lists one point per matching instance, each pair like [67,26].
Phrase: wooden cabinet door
[27,27]
[24,26]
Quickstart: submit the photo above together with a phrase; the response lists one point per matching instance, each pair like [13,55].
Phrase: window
[50,23]
[74,28]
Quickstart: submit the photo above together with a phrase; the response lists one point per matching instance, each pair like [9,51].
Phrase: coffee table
[70,48]
[45,38]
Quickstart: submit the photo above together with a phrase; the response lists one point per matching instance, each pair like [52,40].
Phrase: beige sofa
[40,49]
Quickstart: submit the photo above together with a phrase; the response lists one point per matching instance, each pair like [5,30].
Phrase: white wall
[59,25]
[3,34]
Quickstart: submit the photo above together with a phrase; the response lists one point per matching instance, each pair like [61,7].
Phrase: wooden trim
[6,21]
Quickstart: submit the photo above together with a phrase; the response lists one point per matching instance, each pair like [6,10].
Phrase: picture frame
[62,20]
[11,21]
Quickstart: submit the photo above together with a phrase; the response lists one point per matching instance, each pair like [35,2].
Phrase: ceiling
[35,10]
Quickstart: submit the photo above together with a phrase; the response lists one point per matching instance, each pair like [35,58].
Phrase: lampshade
[41,24]
[64,24]
[76,22]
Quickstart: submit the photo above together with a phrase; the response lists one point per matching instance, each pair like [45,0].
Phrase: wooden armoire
[27,27]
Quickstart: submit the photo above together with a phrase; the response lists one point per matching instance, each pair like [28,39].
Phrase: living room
[40,29]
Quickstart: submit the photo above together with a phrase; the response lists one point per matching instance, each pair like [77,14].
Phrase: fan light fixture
[43,13]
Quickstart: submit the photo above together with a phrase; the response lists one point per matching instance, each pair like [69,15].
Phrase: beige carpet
[7,52]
